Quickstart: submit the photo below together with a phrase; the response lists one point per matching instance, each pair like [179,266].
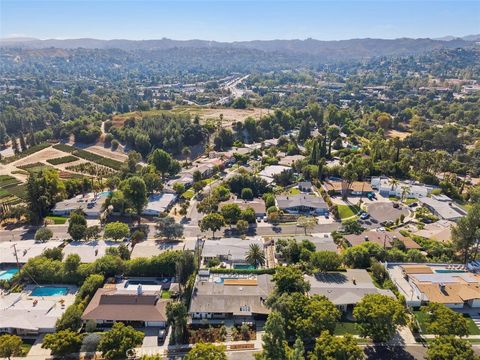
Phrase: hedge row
[31,150]
[62,160]
[87,155]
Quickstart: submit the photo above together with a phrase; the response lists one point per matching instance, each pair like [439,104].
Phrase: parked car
[162,335]
[364,216]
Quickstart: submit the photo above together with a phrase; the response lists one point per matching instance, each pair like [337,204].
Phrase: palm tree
[405,191]
[255,256]
[186,152]
[393,183]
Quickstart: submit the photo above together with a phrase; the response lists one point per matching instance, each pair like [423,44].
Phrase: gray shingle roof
[312,201]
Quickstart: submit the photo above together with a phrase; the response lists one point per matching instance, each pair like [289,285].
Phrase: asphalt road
[60,232]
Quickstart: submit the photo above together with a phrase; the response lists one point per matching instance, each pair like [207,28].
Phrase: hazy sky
[230,20]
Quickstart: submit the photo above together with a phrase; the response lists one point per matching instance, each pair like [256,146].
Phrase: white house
[159,203]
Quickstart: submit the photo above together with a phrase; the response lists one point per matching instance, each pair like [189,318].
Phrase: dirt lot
[397,134]
[41,156]
[229,115]
[102,151]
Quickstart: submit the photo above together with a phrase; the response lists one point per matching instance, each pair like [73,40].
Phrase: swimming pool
[49,291]
[104,193]
[7,274]
[449,271]
[141,282]
[243,266]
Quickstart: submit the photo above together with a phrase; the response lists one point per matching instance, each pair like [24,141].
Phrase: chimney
[139,290]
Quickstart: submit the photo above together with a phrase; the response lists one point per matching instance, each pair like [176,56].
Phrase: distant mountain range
[343,49]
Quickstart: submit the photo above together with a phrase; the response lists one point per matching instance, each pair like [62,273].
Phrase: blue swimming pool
[243,266]
[7,274]
[49,291]
[446,271]
[104,193]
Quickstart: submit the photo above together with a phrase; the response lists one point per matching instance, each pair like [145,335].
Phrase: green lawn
[422,321]
[188,194]
[346,211]
[165,294]
[57,220]
[409,201]
[294,191]
[346,327]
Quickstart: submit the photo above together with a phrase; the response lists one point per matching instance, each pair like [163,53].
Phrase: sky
[237,20]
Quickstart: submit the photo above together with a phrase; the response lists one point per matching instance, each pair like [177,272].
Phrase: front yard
[347,211]
[422,322]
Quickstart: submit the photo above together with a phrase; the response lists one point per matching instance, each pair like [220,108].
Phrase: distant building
[413,190]
[270,171]
[443,207]
[357,188]
[217,297]
[159,203]
[302,204]
[344,289]
[289,160]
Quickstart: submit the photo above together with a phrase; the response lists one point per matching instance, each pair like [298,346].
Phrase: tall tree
[167,228]
[135,192]
[10,345]
[177,317]
[213,222]
[63,342]
[442,320]
[274,341]
[162,161]
[378,316]
[466,234]
[450,348]
[115,342]
[255,255]
[330,347]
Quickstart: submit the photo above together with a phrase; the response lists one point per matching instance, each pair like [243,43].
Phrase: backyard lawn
[294,191]
[346,211]
[188,194]
[346,327]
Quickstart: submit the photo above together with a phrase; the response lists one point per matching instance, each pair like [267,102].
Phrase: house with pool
[452,285]
[128,303]
[231,252]
[240,298]
[35,310]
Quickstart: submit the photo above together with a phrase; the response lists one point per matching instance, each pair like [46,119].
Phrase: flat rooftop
[89,251]
[26,249]
[233,248]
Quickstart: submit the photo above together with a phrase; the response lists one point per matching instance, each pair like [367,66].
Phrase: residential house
[231,251]
[410,189]
[305,186]
[448,284]
[240,298]
[289,160]
[270,171]
[302,204]
[385,239]
[443,207]
[137,308]
[27,315]
[256,204]
[357,188]
[24,250]
[91,204]
[89,251]
[344,289]
[159,203]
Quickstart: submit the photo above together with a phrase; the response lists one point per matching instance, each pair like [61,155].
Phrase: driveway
[381,211]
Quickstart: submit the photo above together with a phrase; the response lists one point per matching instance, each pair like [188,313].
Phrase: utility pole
[16,256]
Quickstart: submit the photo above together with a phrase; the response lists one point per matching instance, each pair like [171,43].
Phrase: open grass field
[346,327]
[347,211]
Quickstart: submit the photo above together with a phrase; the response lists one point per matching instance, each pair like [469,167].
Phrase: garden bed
[209,334]
[244,332]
